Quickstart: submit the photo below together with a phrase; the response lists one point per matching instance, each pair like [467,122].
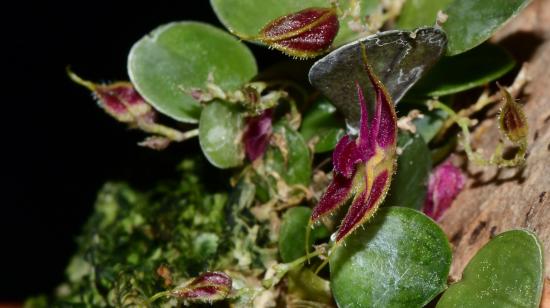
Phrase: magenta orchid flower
[257,133]
[363,167]
[446,182]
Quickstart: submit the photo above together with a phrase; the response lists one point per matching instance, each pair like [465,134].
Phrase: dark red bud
[119,99]
[512,120]
[122,101]
[304,34]
[206,288]
[257,133]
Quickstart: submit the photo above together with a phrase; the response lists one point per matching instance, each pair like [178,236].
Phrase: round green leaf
[465,71]
[409,184]
[320,122]
[220,130]
[507,272]
[249,17]
[471,22]
[418,13]
[295,168]
[400,259]
[167,63]
[292,235]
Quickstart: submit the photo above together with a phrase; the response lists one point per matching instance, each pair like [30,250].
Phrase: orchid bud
[124,103]
[206,288]
[257,133]
[446,181]
[304,34]
[119,99]
[512,120]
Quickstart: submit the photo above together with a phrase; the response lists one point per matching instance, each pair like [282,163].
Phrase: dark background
[57,146]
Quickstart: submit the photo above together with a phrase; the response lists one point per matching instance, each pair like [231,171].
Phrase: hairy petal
[337,193]
[384,122]
[345,156]
[364,206]
[365,139]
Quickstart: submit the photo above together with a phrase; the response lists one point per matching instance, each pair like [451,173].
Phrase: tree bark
[494,200]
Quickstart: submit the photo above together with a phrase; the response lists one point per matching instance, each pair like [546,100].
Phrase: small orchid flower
[363,167]
[208,287]
[446,181]
[122,101]
[257,133]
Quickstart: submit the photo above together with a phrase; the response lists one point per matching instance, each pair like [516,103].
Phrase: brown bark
[494,200]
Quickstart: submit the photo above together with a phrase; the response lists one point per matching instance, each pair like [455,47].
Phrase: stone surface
[494,201]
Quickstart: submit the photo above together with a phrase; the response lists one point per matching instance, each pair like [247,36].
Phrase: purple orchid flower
[257,133]
[446,181]
[363,167]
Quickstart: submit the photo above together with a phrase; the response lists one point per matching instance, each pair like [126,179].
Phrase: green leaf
[220,130]
[507,272]
[248,17]
[295,168]
[418,13]
[304,284]
[468,70]
[409,184]
[399,58]
[400,259]
[321,123]
[471,22]
[165,64]
[430,122]
[292,236]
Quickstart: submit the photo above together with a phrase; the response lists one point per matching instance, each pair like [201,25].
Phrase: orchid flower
[445,183]
[122,101]
[363,167]
[257,133]
[208,287]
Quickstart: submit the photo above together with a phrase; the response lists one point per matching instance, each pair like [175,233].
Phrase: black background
[57,147]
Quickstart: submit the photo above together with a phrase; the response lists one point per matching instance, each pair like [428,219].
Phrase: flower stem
[159,295]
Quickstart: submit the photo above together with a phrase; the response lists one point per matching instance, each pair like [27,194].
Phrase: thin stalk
[159,295]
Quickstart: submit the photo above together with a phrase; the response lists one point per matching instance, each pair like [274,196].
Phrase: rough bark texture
[498,200]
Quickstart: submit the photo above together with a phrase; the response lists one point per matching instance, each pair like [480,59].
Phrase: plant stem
[159,295]
[496,159]
[485,100]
